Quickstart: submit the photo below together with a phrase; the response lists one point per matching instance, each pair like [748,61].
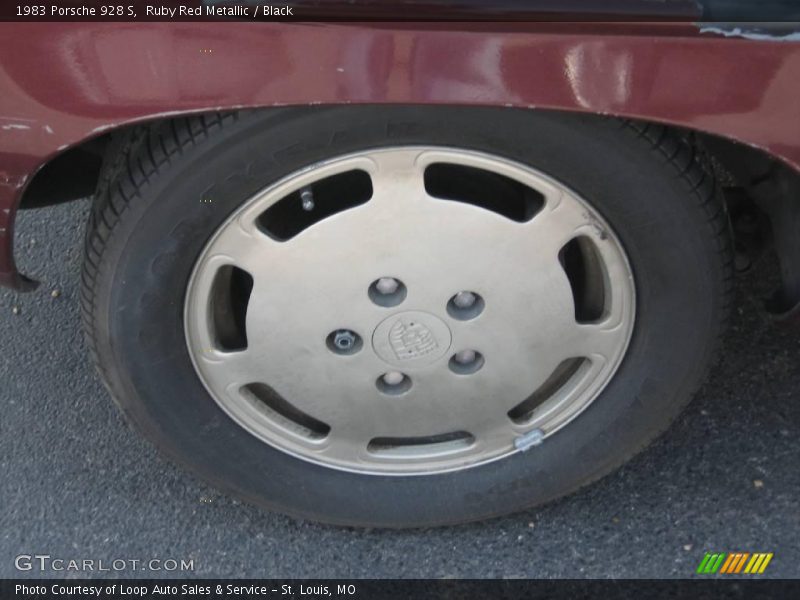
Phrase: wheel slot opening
[291,215]
[587,278]
[409,447]
[230,295]
[565,371]
[485,189]
[283,413]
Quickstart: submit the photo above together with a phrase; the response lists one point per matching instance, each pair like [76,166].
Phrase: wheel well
[71,175]
[753,181]
[762,196]
[75,172]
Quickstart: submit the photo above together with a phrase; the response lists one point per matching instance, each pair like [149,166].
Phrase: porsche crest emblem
[411,339]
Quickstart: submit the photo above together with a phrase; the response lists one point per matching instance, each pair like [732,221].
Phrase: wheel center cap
[411,339]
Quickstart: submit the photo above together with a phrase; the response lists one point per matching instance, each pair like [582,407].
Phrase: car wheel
[404,316]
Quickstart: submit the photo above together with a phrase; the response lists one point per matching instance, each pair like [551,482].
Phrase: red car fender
[63,83]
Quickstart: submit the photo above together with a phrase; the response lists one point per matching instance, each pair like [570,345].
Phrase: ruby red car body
[64,83]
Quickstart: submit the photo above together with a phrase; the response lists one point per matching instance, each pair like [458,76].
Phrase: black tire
[149,226]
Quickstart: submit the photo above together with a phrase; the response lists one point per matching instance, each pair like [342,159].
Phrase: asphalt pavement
[77,483]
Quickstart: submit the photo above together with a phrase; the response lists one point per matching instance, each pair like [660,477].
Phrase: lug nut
[387,291]
[465,305]
[393,378]
[464,357]
[466,362]
[393,383]
[387,285]
[344,341]
[464,299]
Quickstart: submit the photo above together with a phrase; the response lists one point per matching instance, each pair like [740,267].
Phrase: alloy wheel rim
[376,314]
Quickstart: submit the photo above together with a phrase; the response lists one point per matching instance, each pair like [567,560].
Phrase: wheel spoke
[397,178]
[245,247]
[598,342]
[333,391]
[231,370]
[560,220]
